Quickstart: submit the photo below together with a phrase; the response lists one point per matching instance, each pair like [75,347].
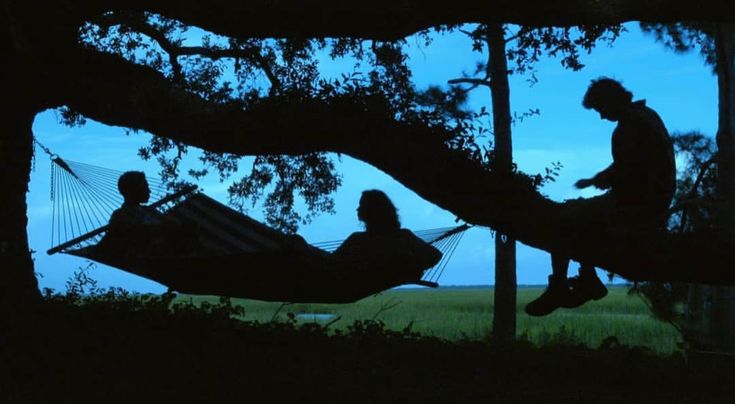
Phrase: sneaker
[583,289]
[555,296]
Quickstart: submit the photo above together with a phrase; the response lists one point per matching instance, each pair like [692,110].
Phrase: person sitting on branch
[640,181]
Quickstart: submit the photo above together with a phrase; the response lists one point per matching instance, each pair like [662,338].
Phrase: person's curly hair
[378,212]
[606,91]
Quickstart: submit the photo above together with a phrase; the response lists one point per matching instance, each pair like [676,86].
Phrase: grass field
[466,314]
[118,346]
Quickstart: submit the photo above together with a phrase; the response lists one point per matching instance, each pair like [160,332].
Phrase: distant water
[314,317]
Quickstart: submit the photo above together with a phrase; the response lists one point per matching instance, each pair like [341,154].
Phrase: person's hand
[584,183]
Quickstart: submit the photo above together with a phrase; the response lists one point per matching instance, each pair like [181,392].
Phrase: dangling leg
[557,293]
[585,287]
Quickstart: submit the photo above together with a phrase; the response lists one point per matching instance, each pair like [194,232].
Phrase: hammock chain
[84,196]
[44,148]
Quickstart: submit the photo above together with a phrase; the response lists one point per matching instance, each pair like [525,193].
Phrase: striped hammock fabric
[234,255]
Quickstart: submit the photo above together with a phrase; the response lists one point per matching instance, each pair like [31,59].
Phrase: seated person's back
[133,215]
[399,248]
[141,230]
[384,245]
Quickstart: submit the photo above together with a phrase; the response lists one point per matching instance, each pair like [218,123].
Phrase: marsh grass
[465,314]
[93,345]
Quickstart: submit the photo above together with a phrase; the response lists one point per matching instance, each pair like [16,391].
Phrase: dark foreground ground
[117,349]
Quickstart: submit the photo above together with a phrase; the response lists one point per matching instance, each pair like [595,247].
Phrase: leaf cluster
[82,291]
[524,47]
[207,65]
[311,176]
[566,43]
[247,73]
[527,45]
[696,182]
[683,37]
[693,212]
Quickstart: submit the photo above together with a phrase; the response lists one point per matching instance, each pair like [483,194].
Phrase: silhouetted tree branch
[413,153]
[390,20]
[48,64]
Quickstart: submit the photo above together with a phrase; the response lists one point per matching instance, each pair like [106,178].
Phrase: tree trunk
[21,83]
[711,309]
[18,285]
[723,297]
[504,309]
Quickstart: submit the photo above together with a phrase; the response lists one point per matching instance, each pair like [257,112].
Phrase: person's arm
[601,180]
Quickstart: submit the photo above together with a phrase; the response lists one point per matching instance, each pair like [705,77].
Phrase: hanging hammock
[235,255]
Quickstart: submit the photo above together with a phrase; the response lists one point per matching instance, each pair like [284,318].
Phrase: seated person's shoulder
[150,215]
[123,230]
[407,236]
[136,215]
[357,236]
[353,245]
[123,216]
[406,233]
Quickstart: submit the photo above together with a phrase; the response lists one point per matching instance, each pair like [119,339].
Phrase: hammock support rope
[83,197]
[241,258]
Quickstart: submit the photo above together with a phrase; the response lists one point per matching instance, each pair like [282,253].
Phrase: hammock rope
[84,196]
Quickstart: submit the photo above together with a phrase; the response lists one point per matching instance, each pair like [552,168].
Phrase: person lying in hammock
[139,229]
[384,244]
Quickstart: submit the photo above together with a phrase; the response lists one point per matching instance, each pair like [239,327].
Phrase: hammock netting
[235,255]
[83,197]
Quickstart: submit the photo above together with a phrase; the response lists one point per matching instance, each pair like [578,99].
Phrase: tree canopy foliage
[246,73]
[252,86]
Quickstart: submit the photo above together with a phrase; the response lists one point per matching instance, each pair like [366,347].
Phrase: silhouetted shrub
[97,345]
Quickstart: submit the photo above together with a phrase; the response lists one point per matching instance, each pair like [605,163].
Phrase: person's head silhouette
[134,187]
[608,97]
[377,212]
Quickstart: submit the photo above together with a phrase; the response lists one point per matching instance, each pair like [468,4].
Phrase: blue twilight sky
[680,87]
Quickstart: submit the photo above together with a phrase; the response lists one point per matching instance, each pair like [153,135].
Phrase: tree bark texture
[18,283]
[723,297]
[504,309]
[711,309]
